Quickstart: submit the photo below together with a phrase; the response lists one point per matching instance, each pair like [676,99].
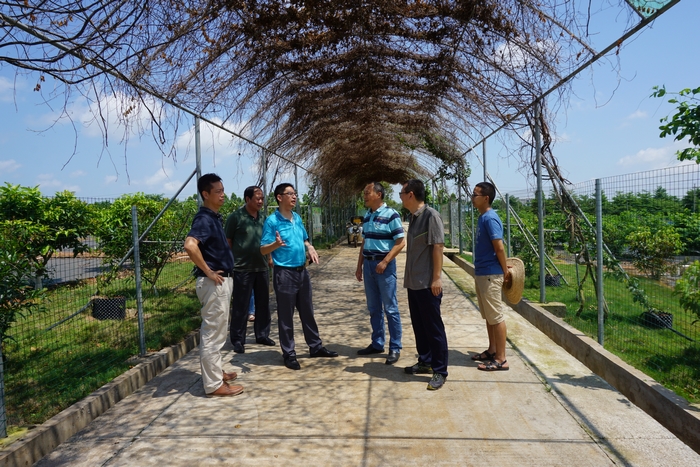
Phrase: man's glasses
[474,195]
[292,194]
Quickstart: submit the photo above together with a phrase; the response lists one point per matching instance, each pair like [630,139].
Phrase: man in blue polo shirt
[383,239]
[207,248]
[285,237]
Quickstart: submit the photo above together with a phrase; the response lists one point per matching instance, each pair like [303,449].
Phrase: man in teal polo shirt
[285,237]
[383,239]
[250,272]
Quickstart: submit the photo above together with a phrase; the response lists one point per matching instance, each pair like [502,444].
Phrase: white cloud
[9,166]
[50,184]
[7,90]
[653,158]
[637,115]
[110,179]
[78,173]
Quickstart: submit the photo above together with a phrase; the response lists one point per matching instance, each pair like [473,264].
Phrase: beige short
[488,293]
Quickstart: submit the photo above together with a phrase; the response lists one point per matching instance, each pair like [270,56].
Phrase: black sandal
[493,365]
[484,356]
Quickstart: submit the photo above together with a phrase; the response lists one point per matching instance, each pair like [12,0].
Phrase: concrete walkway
[356,411]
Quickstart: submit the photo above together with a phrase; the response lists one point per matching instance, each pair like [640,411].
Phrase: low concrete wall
[665,406]
[43,439]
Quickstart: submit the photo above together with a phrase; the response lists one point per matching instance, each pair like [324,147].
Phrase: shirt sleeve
[436,231]
[268,235]
[200,229]
[396,226]
[494,229]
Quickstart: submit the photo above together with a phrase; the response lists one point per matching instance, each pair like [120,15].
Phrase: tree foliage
[651,250]
[685,123]
[688,288]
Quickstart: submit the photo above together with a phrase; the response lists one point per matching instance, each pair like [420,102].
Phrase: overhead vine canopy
[350,89]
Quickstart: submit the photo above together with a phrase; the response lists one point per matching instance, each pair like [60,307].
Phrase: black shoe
[292,363]
[369,350]
[419,368]
[324,352]
[265,341]
[393,357]
[238,348]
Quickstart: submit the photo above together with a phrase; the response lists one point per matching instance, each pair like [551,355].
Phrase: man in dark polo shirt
[207,248]
[423,278]
[250,274]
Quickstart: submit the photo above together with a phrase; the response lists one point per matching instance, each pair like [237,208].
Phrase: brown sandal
[493,365]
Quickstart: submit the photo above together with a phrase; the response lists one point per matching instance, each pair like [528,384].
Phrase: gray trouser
[293,289]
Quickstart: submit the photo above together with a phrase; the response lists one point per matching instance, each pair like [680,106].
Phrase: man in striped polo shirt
[383,239]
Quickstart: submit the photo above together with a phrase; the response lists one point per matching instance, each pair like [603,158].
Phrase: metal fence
[89,329]
[651,235]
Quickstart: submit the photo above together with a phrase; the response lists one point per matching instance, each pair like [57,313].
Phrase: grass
[662,354]
[52,364]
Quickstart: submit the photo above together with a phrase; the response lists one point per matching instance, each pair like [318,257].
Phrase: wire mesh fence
[84,330]
[651,231]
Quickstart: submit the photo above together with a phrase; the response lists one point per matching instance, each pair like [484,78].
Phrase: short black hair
[416,187]
[249,192]
[279,189]
[487,189]
[378,188]
[206,183]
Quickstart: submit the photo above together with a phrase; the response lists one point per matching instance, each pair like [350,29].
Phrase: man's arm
[436,284]
[195,254]
[313,255]
[360,260]
[270,247]
[501,256]
[395,250]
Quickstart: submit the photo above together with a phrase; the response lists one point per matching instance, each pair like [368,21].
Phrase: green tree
[685,123]
[53,224]
[691,200]
[688,287]
[115,232]
[651,250]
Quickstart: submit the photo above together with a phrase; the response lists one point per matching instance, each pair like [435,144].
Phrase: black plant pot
[109,308]
[552,281]
[657,320]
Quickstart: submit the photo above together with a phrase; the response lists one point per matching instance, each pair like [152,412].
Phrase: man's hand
[358,273]
[381,267]
[214,276]
[507,278]
[278,240]
[313,256]
[436,287]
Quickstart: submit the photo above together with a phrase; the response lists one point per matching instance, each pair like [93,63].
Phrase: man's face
[371,197]
[216,195]
[288,198]
[406,198]
[255,203]
[478,199]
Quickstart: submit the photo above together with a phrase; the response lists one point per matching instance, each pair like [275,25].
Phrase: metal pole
[599,258]
[296,188]
[471,209]
[459,208]
[264,180]
[198,157]
[3,412]
[483,147]
[507,224]
[540,203]
[137,275]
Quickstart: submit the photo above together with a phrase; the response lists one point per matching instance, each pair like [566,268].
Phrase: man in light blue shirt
[383,239]
[285,237]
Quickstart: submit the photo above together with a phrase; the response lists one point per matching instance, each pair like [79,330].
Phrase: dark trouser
[293,289]
[431,340]
[245,283]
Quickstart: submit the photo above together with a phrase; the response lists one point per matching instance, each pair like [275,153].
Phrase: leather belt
[222,274]
[297,268]
[375,258]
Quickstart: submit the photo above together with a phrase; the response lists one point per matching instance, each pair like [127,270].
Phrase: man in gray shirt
[425,243]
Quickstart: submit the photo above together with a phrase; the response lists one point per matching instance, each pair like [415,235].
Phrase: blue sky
[608,127]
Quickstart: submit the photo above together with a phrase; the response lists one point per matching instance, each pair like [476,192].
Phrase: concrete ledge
[664,405]
[43,439]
